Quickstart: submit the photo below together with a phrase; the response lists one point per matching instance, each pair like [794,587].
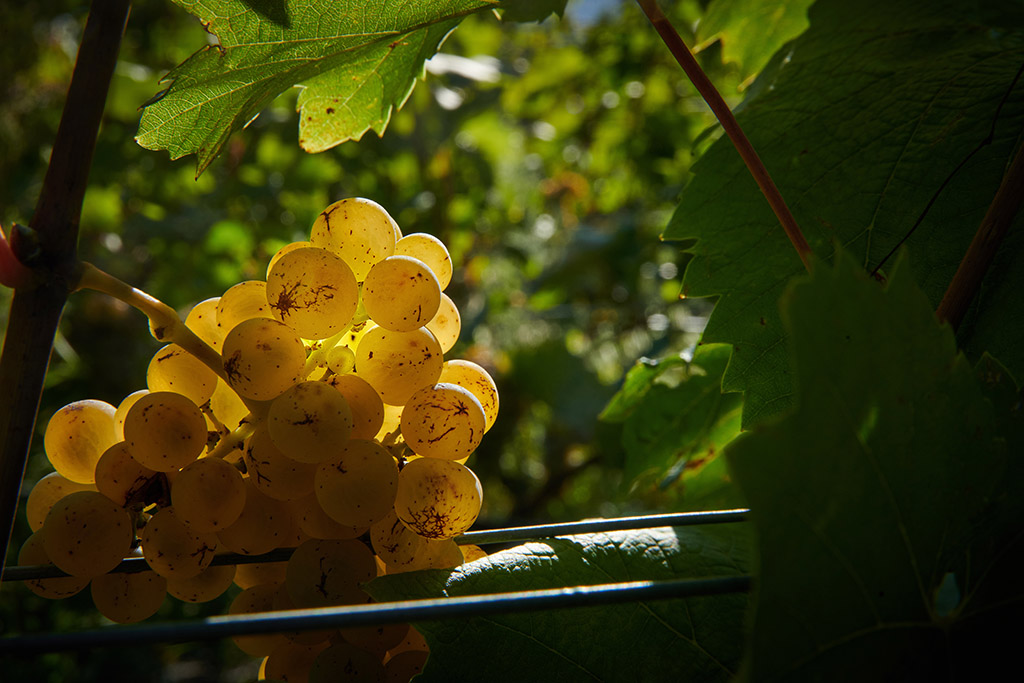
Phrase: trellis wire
[436,609]
[486,537]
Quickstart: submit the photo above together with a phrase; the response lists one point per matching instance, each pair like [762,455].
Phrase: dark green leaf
[879,104]
[886,507]
[693,639]
[356,62]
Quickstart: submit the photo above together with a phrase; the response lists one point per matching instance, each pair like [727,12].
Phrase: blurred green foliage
[547,156]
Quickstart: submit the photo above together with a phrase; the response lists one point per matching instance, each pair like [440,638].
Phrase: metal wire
[382,613]
[485,537]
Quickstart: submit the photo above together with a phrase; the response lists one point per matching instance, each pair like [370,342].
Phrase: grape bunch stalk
[313,410]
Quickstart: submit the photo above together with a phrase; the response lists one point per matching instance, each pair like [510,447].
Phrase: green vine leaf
[691,639]
[889,507]
[877,106]
[751,30]
[355,61]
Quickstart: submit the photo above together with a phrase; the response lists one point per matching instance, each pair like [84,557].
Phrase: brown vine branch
[36,309]
[721,110]
[983,248]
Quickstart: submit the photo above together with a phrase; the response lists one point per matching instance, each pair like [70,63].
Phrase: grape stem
[231,441]
[164,323]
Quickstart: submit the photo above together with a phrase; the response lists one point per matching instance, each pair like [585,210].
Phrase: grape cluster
[332,424]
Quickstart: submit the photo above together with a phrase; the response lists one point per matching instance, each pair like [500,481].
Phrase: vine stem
[707,90]
[36,308]
[967,279]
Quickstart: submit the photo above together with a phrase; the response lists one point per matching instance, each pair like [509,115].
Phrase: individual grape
[175,369]
[228,408]
[313,291]
[258,598]
[208,495]
[309,422]
[469,375]
[413,642]
[397,364]
[244,301]
[446,324]
[86,534]
[33,552]
[207,585]
[254,573]
[346,663]
[472,552]
[288,248]
[326,572]
[76,437]
[202,320]
[173,549]
[263,525]
[376,639]
[364,402]
[401,293]
[272,472]
[437,498]
[341,359]
[397,545]
[122,410]
[45,493]
[283,602]
[122,478]
[443,421]
[262,358]
[128,598]
[165,431]
[358,487]
[316,523]
[358,230]
[431,251]
[402,667]
[291,662]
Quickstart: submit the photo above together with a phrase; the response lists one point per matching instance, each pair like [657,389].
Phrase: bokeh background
[548,158]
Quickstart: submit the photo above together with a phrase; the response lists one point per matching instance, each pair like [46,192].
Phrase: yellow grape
[443,421]
[122,410]
[262,358]
[471,376]
[128,598]
[284,602]
[396,544]
[265,524]
[207,585]
[437,498]
[357,487]
[165,431]
[376,639]
[431,251]
[274,473]
[402,667]
[397,364]
[326,572]
[173,549]
[390,428]
[341,359]
[258,598]
[401,293]
[316,523]
[345,663]
[284,250]
[252,574]
[202,320]
[33,552]
[122,478]
[313,291]
[364,402]
[309,422]
[76,437]
[244,301]
[446,324]
[227,407]
[291,662]
[472,552]
[86,534]
[175,369]
[413,642]
[358,230]
[45,493]
[208,494]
